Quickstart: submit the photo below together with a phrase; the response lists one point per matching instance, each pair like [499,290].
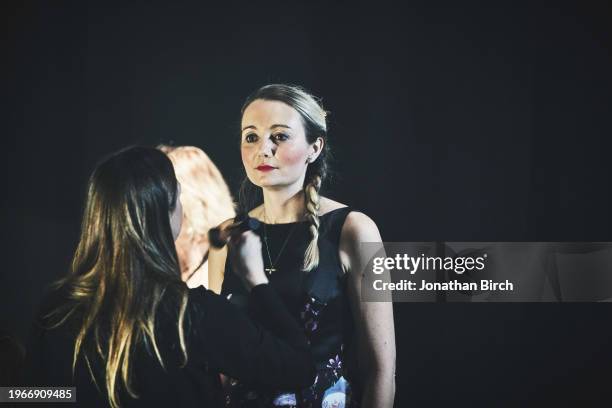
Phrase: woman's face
[176,216]
[274,149]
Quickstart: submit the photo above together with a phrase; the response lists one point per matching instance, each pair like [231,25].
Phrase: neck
[283,205]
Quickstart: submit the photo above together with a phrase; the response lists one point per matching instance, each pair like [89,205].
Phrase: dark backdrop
[476,122]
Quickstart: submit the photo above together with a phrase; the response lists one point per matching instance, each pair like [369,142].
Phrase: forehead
[264,114]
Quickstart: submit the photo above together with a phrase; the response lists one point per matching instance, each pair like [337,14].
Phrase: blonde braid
[311,191]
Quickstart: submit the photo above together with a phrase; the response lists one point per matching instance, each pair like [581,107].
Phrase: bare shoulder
[358,227]
[327,205]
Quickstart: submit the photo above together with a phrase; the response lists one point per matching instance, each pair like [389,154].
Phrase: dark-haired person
[312,255]
[126,331]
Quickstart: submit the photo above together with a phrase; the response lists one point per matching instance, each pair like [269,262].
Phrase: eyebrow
[273,126]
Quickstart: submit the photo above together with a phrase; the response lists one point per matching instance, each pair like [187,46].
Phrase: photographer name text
[409,285]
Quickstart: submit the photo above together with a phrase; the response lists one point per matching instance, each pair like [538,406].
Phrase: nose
[267,148]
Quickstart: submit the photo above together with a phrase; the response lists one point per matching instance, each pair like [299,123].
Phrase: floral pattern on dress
[310,315]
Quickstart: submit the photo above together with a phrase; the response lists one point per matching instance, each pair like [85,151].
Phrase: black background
[448,122]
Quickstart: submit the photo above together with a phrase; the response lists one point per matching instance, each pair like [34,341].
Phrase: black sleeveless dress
[318,300]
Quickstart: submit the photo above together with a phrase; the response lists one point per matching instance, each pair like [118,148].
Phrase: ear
[316,149]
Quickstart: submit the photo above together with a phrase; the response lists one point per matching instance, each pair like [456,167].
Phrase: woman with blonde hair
[311,250]
[206,203]
[125,330]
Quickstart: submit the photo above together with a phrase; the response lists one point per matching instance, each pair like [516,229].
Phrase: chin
[269,183]
[263,180]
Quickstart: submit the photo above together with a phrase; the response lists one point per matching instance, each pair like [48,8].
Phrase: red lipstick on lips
[265,167]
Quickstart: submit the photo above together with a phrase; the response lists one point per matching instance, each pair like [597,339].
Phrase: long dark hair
[124,263]
[315,125]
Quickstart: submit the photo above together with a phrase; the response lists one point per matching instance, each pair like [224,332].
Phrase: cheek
[248,161]
[292,156]
[245,154]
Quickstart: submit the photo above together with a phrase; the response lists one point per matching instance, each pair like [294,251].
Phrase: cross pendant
[270,270]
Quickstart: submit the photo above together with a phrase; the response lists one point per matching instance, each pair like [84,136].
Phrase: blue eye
[250,138]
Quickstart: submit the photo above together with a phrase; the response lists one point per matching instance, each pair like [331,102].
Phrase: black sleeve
[236,346]
[273,316]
